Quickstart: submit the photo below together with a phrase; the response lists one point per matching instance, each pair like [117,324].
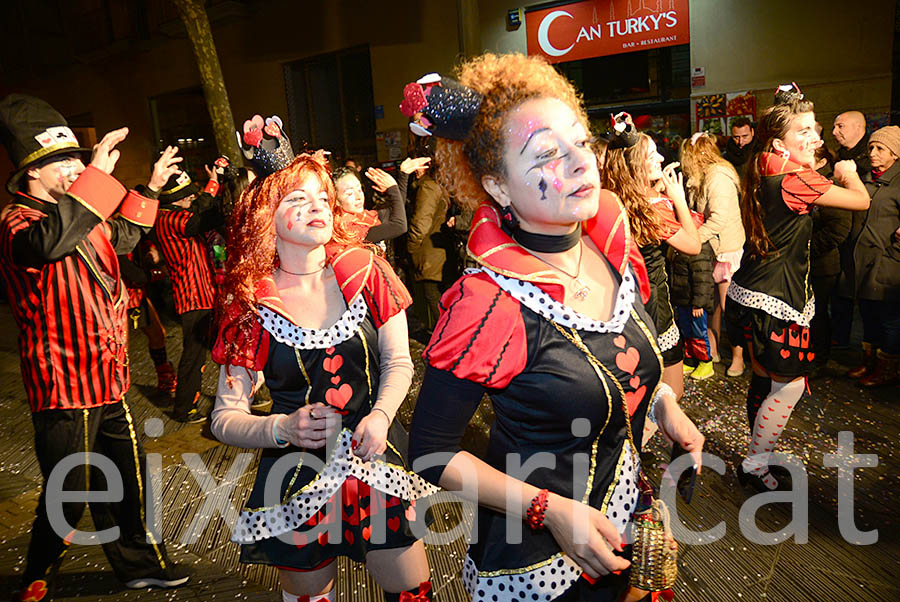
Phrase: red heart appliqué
[335,380]
[627,361]
[634,398]
[333,364]
[635,381]
[330,350]
[339,397]
[785,353]
[348,535]
[619,342]
[393,523]
[367,533]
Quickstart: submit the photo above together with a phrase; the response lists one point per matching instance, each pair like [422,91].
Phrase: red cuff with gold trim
[98,191]
[138,209]
[212,187]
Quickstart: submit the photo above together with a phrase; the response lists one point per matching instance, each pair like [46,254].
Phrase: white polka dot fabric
[771,305]
[625,494]
[532,297]
[255,525]
[541,584]
[669,338]
[285,331]
[553,578]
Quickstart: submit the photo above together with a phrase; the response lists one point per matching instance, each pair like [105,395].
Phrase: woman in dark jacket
[875,274]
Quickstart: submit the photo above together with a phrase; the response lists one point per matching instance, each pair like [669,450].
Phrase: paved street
[827,567]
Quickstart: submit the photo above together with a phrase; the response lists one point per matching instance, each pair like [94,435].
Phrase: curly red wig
[251,254]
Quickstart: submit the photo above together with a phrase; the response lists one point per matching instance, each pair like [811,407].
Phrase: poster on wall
[581,30]
[711,105]
[740,104]
[712,125]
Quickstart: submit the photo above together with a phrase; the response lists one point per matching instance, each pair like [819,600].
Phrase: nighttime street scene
[449,300]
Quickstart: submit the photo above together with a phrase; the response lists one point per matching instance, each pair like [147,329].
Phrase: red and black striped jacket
[177,231]
[67,296]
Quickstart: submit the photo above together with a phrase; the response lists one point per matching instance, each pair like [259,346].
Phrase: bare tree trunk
[193,14]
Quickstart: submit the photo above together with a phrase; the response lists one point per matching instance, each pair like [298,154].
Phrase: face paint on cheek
[554,169]
[542,185]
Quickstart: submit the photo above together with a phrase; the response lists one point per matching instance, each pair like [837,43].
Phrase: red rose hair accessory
[265,145]
[448,109]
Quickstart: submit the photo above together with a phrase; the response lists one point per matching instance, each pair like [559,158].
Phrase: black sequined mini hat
[448,109]
[788,93]
[624,134]
[265,144]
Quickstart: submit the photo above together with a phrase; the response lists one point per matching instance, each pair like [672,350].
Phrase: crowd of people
[548,263]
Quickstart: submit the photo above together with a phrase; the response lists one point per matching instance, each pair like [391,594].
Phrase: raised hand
[673,183]
[410,164]
[164,168]
[105,154]
[381,180]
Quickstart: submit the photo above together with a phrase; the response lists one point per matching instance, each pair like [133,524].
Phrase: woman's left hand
[675,425]
[370,436]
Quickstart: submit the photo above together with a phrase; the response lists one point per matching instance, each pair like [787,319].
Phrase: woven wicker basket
[654,564]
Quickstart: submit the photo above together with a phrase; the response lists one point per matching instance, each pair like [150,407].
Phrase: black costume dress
[770,300]
[505,331]
[328,502]
[659,306]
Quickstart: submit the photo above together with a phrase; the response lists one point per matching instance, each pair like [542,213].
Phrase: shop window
[331,103]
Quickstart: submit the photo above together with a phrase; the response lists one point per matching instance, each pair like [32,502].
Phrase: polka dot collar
[535,299]
[285,331]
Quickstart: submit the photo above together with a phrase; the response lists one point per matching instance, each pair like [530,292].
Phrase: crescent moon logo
[543,30]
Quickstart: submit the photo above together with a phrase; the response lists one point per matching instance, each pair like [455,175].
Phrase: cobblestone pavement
[828,566]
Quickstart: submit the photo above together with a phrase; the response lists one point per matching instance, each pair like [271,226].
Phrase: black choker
[547,243]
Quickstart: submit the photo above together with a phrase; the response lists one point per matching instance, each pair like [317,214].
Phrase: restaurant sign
[592,28]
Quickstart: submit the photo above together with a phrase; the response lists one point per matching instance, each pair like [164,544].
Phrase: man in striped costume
[58,243]
[185,215]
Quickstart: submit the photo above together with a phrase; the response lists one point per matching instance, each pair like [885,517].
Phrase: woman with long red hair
[323,321]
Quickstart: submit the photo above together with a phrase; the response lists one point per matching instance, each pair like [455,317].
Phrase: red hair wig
[251,254]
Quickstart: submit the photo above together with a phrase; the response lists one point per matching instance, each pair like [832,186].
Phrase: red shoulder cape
[358,271]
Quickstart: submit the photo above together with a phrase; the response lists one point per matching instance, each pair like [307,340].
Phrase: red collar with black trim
[772,164]
[493,248]
[358,224]
[352,267]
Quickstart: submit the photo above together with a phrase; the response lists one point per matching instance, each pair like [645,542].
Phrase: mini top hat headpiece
[32,130]
[177,187]
[265,144]
[624,134]
[448,108]
[787,93]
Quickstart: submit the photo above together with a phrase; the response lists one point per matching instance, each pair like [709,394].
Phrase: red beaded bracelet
[536,510]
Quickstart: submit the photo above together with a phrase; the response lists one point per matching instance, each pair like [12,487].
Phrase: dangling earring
[508,217]
[784,154]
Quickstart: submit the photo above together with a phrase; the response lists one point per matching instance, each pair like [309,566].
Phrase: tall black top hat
[448,108]
[32,130]
[265,144]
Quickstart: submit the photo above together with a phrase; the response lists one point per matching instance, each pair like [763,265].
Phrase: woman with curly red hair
[550,327]
[324,323]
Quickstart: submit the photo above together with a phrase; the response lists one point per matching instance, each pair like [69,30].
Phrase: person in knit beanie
[876,264]
[889,138]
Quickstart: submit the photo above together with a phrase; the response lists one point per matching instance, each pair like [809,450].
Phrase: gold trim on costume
[87,450]
[175,189]
[290,486]
[355,274]
[525,569]
[87,205]
[140,484]
[368,374]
